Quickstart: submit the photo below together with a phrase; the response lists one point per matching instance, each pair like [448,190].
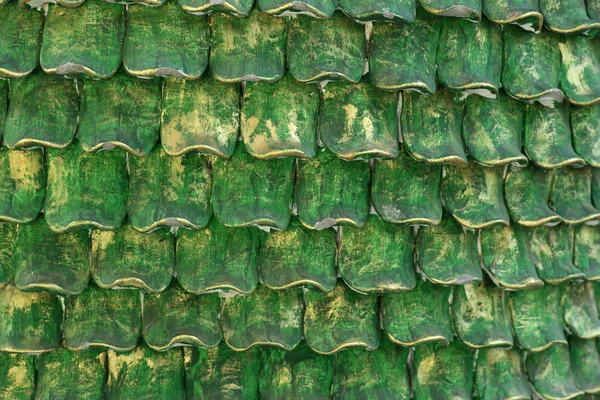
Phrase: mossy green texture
[247,49]
[146,374]
[299,256]
[552,249]
[175,317]
[17,376]
[468,9]
[127,258]
[443,372]
[342,48]
[481,317]
[568,17]
[531,65]
[165,41]
[526,193]
[22,184]
[43,111]
[340,319]
[585,364]
[31,322]
[584,128]
[316,8]
[264,317]
[20,41]
[593,9]
[474,195]
[499,374]
[431,127]
[55,262]
[469,56]
[4,89]
[8,236]
[571,195]
[447,254]
[398,11]
[83,40]
[247,191]
[548,139]
[169,191]
[377,258]
[378,374]
[66,374]
[403,56]
[85,189]
[199,116]
[418,316]
[524,13]
[507,257]
[299,373]
[280,119]
[122,112]
[103,318]
[493,130]
[579,310]
[580,69]
[586,254]
[330,191]
[239,8]
[596,187]
[359,121]
[222,373]
[218,257]
[551,375]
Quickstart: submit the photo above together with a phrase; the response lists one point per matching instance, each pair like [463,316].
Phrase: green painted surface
[596,187]
[447,254]
[218,258]
[103,318]
[340,319]
[403,56]
[20,41]
[265,317]
[45,260]
[585,364]
[399,11]
[85,189]
[474,195]
[43,111]
[531,65]
[240,8]
[146,374]
[548,142]
[405,191]
[8,236]
[593,9]
[431,127]
[201,115]
[358,121]
[251,48]
[568,16]
[580,69]
[524,13]
[280,119]
[499,374]
[107,107]
[87,39]
[32,322]
[571,195]
[3,105]
[418,316]
[469,56]
[169,191]
[507,257]
[378,374]
[128,258]
[584,128]
[330,191]
[299,256]
[526,192]
[65,374]
[175,317]
[342,49]
[586,254]
[222,373]
[443,372]
[261,195]
[492,130]
[317,8]
[377,258]
[17,376]
[22,184]
[299,373]
[550,373]
[469,9]
[579,310]
[165,41]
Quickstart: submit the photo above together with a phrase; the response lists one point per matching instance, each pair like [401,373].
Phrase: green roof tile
[17,376]
[499,374]
[20,41]
[579,310]
[380,10]
[585,131]
[524,13]
[585,364]
[468,9]
[316,8]
[580,69]
[586,255]
[571,195]
[8,236]
[550,373]
[568,17]
[240,8]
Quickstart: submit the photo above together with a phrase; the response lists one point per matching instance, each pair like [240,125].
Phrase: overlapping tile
[18,375]
[551,375]
[380,10]
[316,8]
[468,9]
[499,374]
[568,17]
[20,41]
[524,13]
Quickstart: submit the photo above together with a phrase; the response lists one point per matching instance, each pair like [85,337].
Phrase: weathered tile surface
[579,310]
[20,41]
[571,196]
[580,69]
[402,11]
[524,13]
[240,8]
[17,376]
[8,236]
[314,8]
[468,9]
[499,374]
[585,131]
[550,373]
[568,17]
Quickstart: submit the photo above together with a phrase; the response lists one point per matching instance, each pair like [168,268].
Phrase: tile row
[94,40]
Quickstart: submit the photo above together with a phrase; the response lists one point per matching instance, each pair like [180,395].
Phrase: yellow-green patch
[568,17]
[586,255]
[579,310]
[398,11]
[585,130]
[17,376]
[468,9]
